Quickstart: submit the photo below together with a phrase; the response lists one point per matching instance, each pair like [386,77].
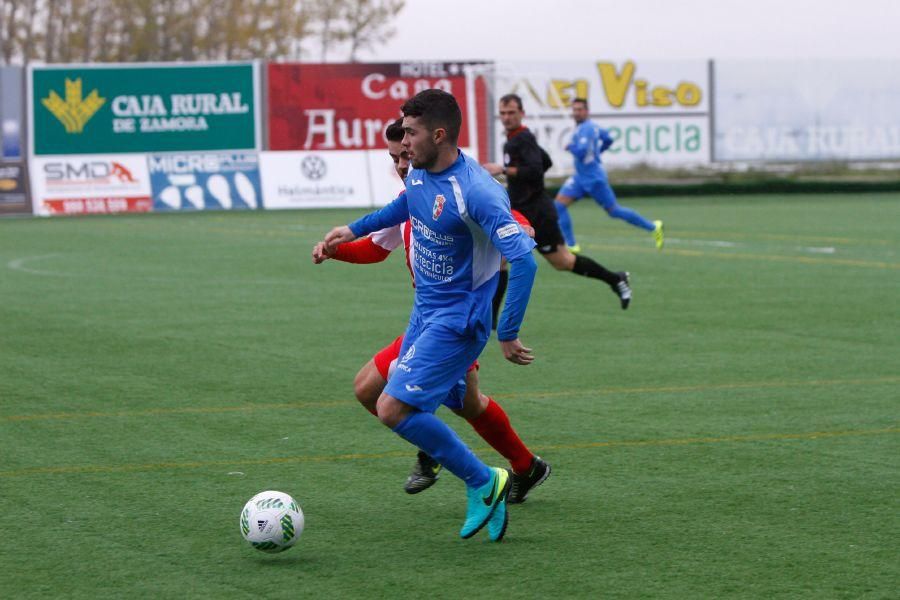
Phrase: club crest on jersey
[438,206]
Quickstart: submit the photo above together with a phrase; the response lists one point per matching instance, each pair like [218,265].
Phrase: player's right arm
[393,214]
[361,252]
[582,142]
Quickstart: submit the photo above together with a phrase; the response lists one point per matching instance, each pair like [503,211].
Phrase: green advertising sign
[153,108]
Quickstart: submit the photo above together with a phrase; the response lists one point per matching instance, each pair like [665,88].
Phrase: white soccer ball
[271,521]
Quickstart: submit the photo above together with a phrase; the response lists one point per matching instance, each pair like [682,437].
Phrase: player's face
[419,142]
[511,115]
[579,112]
[400,158]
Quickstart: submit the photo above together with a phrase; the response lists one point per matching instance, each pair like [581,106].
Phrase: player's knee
[390,411]
[560,264]
[482,404]
[474,404]
[361,389]
[562,259]
[366,397]
[367,386]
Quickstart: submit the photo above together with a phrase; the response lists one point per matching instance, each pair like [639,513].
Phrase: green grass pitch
[733,434]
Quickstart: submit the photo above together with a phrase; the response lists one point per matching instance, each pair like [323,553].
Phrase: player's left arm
[605,139]
[521,280]
[489,207]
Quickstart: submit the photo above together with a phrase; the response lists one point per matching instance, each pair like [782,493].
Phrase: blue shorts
[432,367]
[599,189]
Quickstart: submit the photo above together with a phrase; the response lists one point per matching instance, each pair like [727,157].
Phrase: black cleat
[425,473]
[522,484]
[622,289]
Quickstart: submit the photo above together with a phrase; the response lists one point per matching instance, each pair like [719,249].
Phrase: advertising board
[105,109]
[205,181]
[95,184]
[656,111]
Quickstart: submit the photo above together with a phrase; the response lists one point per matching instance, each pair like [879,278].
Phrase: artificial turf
[733,434]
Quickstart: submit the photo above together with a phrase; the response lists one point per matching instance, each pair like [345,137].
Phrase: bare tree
[327,14]
[367,23]
[8,21]
[28,38]
[167,30]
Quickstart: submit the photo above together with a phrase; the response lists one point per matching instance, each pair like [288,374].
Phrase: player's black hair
[582,100]
[394,131]
[508,98]
[436,109]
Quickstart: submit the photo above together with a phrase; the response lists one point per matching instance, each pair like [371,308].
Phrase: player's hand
[338,236]
[528,229]
[515,352]
[493,168]
[321,253]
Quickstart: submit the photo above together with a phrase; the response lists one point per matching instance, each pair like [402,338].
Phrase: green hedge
[779,186]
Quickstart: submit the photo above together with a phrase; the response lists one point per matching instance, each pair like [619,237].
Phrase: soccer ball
[271,521]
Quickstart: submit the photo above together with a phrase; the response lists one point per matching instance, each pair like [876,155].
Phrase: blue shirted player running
[588,142]
[461,225]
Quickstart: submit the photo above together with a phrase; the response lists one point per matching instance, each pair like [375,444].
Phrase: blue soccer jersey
[588,142]
[461,224]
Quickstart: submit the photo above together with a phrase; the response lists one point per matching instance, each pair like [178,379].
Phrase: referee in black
[524,165]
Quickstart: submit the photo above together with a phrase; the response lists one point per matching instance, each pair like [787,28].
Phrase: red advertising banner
[347,106]
[97,206]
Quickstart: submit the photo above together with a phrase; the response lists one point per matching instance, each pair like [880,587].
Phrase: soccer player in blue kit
[588,142]
[461,225]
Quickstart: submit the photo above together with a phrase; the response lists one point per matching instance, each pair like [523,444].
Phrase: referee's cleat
[483,503]
[522,484]
[425,474]
[658,234]
[622,289]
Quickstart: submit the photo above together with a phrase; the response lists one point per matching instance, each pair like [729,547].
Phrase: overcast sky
[649,29]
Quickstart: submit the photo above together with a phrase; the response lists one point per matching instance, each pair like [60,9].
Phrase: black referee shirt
[521,150]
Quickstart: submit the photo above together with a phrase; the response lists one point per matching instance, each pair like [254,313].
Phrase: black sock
[587,267]
[498,296]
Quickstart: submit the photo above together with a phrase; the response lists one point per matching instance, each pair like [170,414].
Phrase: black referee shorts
[545,221]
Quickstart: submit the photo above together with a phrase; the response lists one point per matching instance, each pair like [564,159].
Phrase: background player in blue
[588,142]
[461,224]
[524,164]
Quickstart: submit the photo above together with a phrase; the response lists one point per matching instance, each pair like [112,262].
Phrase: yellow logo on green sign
[73,112]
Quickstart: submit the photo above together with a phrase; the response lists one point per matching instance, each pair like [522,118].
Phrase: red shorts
[388,355]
